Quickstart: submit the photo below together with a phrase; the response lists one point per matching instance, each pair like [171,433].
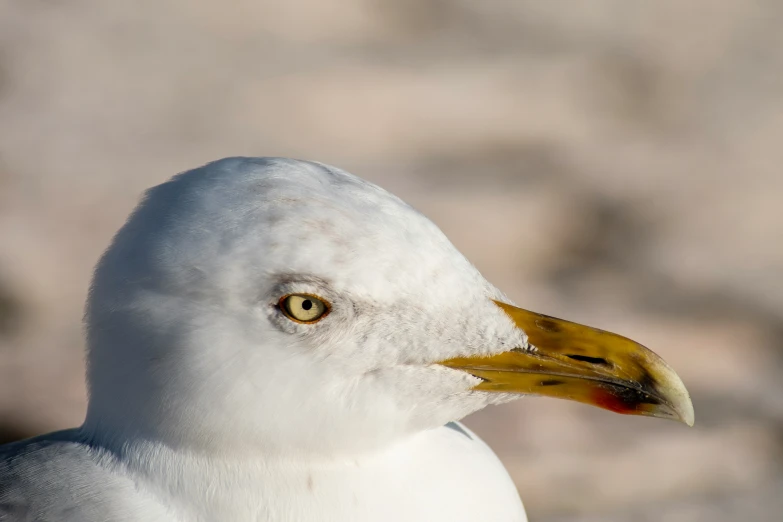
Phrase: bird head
[290,307]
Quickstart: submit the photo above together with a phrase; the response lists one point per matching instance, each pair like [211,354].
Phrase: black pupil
[307,304]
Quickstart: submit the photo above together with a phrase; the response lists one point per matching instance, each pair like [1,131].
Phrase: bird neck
[393,484]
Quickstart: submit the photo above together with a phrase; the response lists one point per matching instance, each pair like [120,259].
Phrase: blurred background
[614,162]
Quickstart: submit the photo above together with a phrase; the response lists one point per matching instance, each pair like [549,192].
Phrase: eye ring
[299,307]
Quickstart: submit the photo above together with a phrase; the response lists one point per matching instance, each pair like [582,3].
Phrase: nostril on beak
[600,361]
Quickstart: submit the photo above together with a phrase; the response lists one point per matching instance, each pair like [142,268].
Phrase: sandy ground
[616,162]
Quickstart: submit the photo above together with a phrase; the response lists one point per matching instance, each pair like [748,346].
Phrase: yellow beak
[584,364]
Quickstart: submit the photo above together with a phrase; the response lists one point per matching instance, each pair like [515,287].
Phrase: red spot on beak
[608,401]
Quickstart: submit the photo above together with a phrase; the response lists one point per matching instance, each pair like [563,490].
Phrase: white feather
[216,406]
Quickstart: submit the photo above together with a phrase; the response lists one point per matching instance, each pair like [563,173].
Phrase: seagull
[271,339]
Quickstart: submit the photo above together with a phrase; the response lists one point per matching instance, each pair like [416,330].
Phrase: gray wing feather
[58,478]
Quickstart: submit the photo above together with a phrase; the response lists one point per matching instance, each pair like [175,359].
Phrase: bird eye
[303,308]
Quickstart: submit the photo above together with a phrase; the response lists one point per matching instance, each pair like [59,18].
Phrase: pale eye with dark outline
[304,308]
